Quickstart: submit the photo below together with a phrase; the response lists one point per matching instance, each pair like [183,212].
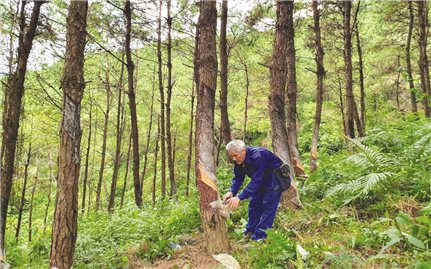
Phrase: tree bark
[132,106]
[162,101]
[350,106]
[423,60]
[24,188]
[247,93]
[64,228]
[320,74]
[278,71]
[408,59]
[173,191]
[156,151]
[292,92]
[224,116]
[361,130]
[105,136]
[87,159]
[215,227]
[150,126]
[11,114]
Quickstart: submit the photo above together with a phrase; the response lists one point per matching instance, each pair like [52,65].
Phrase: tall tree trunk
[320,74]
[87,159]
[408,60]
[127,172]
[278,71]
[156,151]
[397,83]
[132,106]
[215,227]
[423,60]
[173,191]
[30,215]
[64,227]
[361,122]
[150,126]
[350,101]
[292,92]
[24,188]
[224,116]
[247,93]
[162,100]
[105,135]
[11,114]
[120,129]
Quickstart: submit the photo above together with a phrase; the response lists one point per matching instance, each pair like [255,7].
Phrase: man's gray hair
[235,146]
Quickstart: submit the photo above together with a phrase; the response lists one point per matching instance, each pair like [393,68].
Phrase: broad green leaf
[414,241]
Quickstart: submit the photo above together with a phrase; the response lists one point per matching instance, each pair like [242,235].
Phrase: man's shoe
[245,238]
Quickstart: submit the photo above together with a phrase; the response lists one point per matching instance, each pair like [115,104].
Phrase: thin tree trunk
[49,193]
[120,129]
[173,191]
[24,188]
[361,125]
[132,105]
[156,151]
[127,172]
[150,126]
[278,70]
[350,101]
[320,74]
[87,158]
[408,59]
[397,83]
[162,100]
[224,116]
[215,227]
[105,134]
[247,92]
[11,114]
[64,228]
[190,151]
[30,216]
[343,115]
[292,92]
[423,60]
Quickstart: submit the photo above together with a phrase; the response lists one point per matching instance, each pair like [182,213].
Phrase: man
[263,189]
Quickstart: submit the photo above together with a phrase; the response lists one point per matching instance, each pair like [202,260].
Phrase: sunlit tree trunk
[278,71]
[24,188]
[156,151]
[87,159]
[127,172]
[147,146]
[64,227]
[11,113]
[215,227]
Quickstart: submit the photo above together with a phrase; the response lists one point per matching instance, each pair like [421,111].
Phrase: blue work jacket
[259,164]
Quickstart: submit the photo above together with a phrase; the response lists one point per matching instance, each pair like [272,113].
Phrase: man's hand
[233,203]
[227,196]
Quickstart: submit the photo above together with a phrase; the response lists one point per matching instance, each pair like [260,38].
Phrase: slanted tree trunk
[215,227]
[24,188]
[127,172]
[132,106]
[87,159]
[173,191]
[278,71]
[30,215]
[423,60]
[150,126]
[105,136]
[120,129]
[350,101]
[224,116]
[162,101]
[408,59]
[64,228]
[11,114]
[320,74]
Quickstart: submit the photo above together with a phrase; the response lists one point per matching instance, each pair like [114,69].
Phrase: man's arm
[237,180]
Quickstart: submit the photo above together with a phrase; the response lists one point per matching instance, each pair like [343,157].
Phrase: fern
[368,157]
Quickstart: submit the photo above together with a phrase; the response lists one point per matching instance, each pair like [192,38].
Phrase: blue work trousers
[262,209]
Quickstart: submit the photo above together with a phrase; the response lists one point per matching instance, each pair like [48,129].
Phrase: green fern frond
[374,179]
[368,156]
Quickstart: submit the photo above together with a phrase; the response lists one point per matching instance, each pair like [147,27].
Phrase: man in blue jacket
[263,189]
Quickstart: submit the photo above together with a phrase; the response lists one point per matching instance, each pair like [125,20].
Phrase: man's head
[236,151]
